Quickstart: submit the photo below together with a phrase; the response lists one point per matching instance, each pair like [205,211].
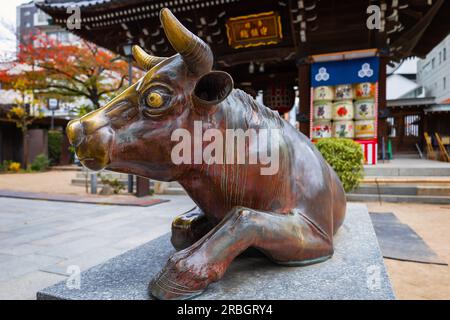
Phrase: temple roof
[307,27]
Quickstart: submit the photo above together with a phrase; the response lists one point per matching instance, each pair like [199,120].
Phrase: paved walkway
[419,280]
[40,239]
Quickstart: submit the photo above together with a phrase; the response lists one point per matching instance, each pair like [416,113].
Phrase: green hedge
[40,163]
[54,146]
[346,157]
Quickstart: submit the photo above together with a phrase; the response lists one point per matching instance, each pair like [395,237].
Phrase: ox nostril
[75,132]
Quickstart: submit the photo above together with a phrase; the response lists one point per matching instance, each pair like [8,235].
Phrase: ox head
[132,132]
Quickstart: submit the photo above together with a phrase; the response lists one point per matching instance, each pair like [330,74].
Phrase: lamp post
[52,106]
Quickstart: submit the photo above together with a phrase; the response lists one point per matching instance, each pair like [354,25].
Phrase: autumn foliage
[52,69]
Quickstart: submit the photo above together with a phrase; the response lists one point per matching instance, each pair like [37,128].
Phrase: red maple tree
[63,71]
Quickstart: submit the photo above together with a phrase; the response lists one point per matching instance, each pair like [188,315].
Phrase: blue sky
[8,11]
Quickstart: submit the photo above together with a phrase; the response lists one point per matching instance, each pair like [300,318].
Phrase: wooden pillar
[422,128]
[426,128]
[65,157]
[304,90]
[382,123]
[382,108]
[142,187]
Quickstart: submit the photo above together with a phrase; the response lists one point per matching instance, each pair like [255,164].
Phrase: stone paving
[40,239]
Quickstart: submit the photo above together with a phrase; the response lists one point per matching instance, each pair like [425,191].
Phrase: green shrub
[40,163]
[346,157]
[114,183]
[5,165]
[54,146]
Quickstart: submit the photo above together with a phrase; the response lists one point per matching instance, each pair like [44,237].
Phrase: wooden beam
[261,55]
[261,81]
[382,124]
[409,39]
[417,15]
[291,24]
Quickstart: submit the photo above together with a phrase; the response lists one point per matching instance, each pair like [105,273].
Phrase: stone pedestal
[356,271]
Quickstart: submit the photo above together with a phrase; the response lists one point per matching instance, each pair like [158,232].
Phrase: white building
[433,72]
[401,81]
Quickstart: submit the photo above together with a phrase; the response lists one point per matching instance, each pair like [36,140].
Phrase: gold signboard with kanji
[254,30]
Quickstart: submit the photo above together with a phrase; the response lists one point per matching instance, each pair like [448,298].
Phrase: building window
[444,82]
[426,68]
[41,18]
[412,125]
[444,53]
[432,63]
[27,25]
[26,13]
[440,57]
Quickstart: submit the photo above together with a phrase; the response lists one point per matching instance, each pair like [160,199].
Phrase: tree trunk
[25,148]
[95,101]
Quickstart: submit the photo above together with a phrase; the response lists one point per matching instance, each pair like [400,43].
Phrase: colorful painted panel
[345,72]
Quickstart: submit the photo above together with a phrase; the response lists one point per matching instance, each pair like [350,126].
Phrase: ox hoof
[165,292]
[177,281]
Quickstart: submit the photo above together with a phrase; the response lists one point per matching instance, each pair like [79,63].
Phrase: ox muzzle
[91,136]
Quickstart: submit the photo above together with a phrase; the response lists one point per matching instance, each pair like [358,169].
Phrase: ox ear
[211,89]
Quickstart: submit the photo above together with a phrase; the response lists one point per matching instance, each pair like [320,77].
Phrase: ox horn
[145,60]
[196,53]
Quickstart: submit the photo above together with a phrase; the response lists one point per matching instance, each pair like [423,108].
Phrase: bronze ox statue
[290,216]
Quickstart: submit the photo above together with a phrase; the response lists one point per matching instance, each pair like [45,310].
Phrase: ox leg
[188,228]
[290,239]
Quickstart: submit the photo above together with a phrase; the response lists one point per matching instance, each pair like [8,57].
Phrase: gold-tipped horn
[196,53]
[145,60]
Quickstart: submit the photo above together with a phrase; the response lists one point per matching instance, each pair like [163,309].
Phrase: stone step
[405,189]
[81,175]
[377,171]
[398,198]
[407,155]
[170,188]
[71,167]
[174,191]
[417,180]
[82,182]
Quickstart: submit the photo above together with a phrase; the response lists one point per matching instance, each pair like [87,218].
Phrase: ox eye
[154,100]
